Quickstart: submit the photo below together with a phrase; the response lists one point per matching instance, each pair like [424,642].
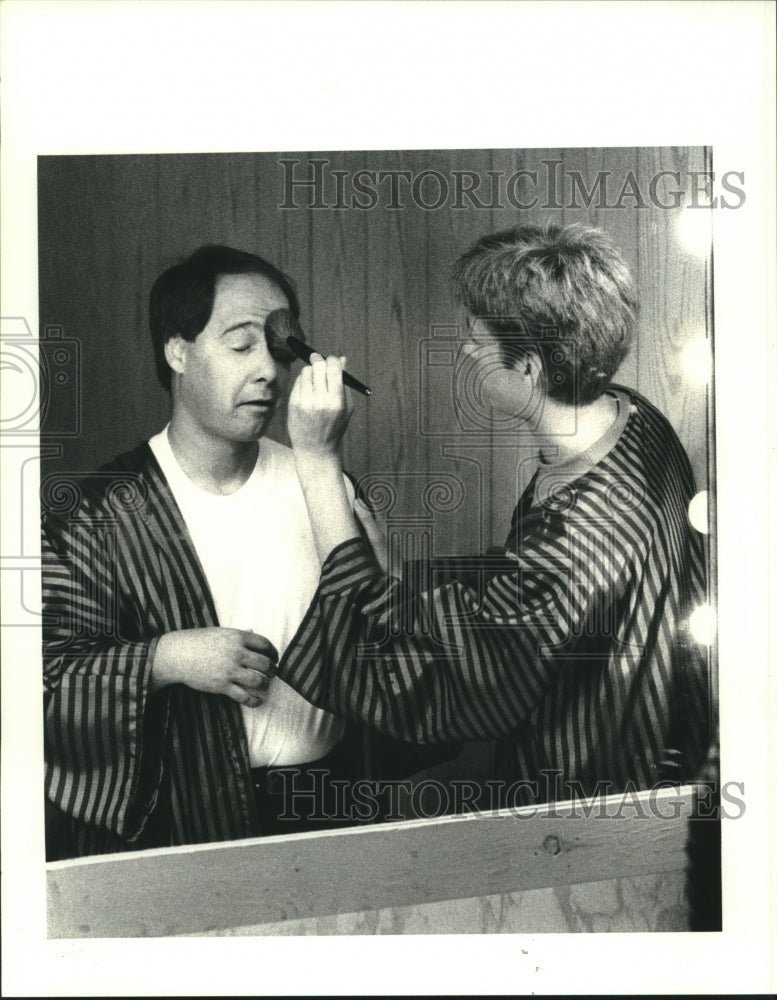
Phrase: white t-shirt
[257,550]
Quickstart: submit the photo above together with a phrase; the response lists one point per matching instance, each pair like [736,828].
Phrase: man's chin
[258,433]
[255,427]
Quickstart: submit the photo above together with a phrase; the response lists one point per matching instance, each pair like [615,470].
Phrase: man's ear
[175,353]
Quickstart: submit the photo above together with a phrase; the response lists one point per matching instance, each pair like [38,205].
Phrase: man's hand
[217,661]
[319,408]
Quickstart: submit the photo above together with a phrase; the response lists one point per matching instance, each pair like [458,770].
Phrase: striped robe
[125,770]
[571,647]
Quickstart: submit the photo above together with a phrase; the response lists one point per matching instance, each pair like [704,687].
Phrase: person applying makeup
[572,647]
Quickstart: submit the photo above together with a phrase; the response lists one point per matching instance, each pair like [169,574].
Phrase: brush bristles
[281,324]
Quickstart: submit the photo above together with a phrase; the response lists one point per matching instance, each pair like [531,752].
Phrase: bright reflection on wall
[697,512]
[696,359]
[694,230]
[703,624]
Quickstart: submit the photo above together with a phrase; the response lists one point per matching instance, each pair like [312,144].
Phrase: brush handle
[304,352]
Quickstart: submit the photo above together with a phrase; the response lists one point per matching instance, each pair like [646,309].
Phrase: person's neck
[568,431]
[213,464]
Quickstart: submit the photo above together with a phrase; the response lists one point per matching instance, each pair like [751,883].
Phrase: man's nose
[264,367]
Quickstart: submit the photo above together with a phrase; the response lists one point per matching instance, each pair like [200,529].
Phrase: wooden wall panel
[673,291]
[371,283]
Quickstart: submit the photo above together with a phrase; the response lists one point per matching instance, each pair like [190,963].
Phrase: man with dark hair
[182,298]
[572,646]
[172,582]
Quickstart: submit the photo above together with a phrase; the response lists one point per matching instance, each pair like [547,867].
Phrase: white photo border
[91,77]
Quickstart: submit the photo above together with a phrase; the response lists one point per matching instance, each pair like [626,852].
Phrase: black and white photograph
[517,315]
[380,494]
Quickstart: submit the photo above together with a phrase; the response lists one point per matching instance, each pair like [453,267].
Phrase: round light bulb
[697,512]
[703,624]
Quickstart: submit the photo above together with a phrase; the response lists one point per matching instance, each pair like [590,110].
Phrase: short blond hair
[564,292]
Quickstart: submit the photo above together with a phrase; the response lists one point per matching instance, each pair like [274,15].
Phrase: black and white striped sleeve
[456,661]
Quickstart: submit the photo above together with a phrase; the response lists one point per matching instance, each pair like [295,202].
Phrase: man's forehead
[255,292]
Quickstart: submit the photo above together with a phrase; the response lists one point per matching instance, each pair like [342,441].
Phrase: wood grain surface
[372,283]
[274,880]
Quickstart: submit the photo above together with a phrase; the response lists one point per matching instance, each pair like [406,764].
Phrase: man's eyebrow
[246,323]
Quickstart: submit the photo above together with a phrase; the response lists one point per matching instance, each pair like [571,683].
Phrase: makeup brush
[281,324]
